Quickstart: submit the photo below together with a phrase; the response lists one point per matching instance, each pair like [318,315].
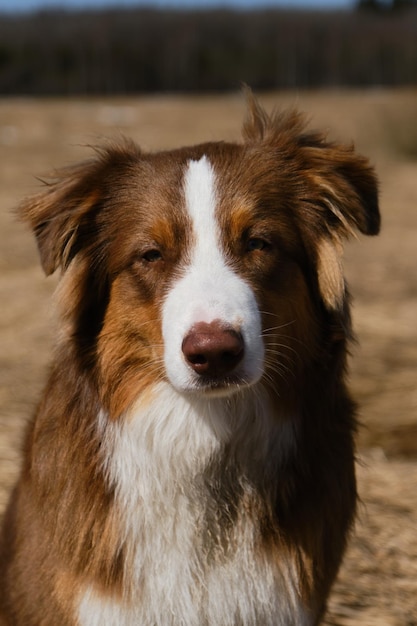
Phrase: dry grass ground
[378,582]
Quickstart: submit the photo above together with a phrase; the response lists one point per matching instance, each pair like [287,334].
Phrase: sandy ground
[377,584]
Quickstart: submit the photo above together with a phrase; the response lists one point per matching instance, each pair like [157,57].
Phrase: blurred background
[167,73]
[69,50]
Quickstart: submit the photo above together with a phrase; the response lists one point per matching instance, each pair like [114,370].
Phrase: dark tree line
[141,50]
[385,6]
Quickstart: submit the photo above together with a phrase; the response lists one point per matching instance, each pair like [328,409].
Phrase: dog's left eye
[256,243]
[152,256]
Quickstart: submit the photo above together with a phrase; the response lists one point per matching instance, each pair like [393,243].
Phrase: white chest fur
[182,568]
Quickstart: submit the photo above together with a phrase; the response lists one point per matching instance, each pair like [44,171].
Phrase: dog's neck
[176,437]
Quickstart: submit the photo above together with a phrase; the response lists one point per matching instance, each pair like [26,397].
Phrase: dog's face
[213,267]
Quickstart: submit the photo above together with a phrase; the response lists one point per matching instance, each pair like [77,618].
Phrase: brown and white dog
[192,459]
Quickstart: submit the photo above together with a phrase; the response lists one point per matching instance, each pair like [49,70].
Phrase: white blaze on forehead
[200,199]
[208,289]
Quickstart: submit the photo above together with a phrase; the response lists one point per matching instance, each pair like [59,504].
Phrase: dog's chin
[214,387]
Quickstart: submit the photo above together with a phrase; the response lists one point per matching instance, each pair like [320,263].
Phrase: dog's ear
[336,189]
[347,188]
[280,128]
[56,214]
[62,217]
[343,201]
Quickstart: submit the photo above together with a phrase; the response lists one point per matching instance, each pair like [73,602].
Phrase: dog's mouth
[216,386]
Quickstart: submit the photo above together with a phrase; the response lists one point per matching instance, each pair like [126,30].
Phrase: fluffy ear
[62,216]
[345,201]
[282,126]
[336,189]
[342,181]
[346,188]
[56,214]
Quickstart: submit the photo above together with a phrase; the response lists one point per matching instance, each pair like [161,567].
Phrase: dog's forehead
[231,166]
[238,189]
[221,180]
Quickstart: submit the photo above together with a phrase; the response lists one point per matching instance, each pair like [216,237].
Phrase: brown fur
[93,222]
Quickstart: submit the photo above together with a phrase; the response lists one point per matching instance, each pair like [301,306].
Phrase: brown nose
[213,349]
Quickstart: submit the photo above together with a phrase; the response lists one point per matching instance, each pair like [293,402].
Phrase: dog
[191,461]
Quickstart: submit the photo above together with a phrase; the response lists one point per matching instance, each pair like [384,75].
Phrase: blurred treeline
[124,51]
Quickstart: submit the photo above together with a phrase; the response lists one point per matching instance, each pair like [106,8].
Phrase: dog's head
[213,267]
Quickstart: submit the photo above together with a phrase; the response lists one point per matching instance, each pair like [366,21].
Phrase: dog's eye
[256,243]
[152,256]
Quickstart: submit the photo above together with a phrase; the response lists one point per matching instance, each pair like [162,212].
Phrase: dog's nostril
[197,359]
[213,349]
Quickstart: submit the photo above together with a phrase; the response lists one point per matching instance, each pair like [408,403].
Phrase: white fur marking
[155,457]
[209,290]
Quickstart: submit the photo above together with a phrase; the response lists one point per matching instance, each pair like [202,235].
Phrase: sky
[25,5]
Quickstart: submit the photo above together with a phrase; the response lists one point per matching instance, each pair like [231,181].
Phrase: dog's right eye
[152,256]
[256,243]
